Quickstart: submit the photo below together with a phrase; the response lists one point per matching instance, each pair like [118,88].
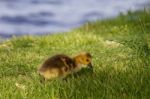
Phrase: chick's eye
[87,60]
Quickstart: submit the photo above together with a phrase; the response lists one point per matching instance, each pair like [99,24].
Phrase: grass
[121,58]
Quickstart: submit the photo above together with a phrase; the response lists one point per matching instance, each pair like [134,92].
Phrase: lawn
[121,58]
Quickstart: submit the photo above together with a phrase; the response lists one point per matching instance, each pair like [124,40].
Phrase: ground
[121,58]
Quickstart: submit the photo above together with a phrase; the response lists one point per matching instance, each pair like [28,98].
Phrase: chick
[59,66]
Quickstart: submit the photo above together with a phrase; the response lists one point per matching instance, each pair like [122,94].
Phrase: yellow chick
[59,66]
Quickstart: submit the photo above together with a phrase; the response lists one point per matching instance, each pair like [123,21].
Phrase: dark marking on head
[89,55]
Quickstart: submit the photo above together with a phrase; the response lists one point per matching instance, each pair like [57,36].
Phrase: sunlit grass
[120,50]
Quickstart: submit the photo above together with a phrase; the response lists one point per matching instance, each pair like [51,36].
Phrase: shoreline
[8,36]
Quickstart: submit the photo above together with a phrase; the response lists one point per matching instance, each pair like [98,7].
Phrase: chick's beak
[90,65]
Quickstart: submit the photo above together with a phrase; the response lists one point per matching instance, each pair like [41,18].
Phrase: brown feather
[57,61]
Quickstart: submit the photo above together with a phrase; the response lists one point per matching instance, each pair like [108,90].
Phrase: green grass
[121,56]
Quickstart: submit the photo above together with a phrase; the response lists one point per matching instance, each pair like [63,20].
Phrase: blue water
[18,17]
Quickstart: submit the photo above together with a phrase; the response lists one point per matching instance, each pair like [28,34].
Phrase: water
[19,17]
